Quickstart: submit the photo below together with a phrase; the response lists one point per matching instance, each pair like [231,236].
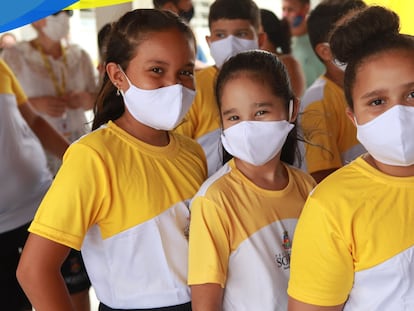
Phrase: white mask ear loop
[120,68]
[290,109]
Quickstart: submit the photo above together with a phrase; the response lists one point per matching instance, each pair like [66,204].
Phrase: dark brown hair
[124,39]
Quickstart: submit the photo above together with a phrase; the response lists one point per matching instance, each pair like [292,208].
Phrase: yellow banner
[404,9]
[88,4]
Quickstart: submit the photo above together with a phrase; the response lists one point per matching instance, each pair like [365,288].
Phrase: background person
[59,79]
[295,12]
[277,40]
[25,179]
[331,136]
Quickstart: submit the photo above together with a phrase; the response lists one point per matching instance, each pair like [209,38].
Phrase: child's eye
[186,73]
[411,95]
[157,70]
[242,34]
[233,118]
[260,113]
[220,35]
[377,102]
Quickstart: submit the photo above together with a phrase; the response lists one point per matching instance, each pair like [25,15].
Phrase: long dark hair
[124,39]
[265,67]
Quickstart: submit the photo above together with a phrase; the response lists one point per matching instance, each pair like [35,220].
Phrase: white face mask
[256,142]
[57,26]
[222,50]
[389,137]
[339,64]
[161,109]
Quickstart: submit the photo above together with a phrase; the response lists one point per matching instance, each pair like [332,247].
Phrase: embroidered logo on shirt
[283,259]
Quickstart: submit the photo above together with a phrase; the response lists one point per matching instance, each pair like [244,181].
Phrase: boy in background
[295,12]
[234,28]
[330,133]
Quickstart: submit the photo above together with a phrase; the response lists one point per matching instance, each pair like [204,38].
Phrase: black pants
[183,307]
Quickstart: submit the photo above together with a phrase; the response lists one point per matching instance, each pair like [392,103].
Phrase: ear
[116,76]
[295,109]
[323,50]
[261,38]
[350,115]
[208,40]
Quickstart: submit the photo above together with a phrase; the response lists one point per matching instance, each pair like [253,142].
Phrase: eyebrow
[378,92]
[158,62]
[257,105]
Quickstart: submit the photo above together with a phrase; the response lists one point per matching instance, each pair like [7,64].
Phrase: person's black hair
[103,37]
[235,9]
[371,31]
[126,35]
[323,18]
[278,31]
[158,4]
[268,69]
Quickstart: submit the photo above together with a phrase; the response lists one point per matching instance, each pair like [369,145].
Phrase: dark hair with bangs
[124,39]
[235,9]
[266,67]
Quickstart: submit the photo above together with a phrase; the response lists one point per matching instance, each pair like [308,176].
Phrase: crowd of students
[188,193]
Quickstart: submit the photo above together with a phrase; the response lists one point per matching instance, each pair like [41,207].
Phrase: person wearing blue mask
[295,12]
[243,218]
[130,179]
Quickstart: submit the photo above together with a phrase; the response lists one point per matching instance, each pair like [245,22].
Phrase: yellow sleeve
[321,268]
[9,83]
[76,199]
[209,246]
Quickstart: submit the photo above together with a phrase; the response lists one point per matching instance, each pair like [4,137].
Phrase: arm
[39,274]
[51,105]
[207,297]
[49,137]
[295,305]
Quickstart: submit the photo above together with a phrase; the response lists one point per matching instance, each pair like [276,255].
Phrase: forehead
[248,88]
[230,25]
[385,71]
[292,4]
[170,46]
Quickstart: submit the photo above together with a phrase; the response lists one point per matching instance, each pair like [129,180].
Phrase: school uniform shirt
[72,72]
[355,242]
[24,175]
[123,203]
[241,235]
[202,122]
[327,128]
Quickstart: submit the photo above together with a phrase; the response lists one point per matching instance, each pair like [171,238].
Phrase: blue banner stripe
[17,13]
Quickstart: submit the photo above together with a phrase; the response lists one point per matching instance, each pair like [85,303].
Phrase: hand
[83,99]
[51,105]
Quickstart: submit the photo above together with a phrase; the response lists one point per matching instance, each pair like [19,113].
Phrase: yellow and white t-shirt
[23,167]
[202,122]
[355,242]
[240,237]
[325,125]
[125,204]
